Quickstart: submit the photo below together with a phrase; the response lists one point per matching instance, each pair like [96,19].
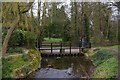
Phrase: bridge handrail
[61,44]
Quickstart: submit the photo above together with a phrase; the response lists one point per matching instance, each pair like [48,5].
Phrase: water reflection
[65,67]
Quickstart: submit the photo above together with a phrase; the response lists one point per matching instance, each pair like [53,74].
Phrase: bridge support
[70,48]
[61,47]
[51,47]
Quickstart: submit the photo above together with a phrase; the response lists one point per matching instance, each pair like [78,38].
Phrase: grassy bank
[117,47]
[0,60]
[20,65]
[11,63]
[106,63]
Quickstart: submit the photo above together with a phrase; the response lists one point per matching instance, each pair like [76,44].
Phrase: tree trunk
[38,24]
[7,37]
[13,25]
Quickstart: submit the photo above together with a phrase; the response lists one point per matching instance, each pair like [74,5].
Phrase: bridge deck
[57,48]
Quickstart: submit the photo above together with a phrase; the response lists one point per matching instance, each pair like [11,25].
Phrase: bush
[16,38]
[20,38]
[15,50]
[30,38]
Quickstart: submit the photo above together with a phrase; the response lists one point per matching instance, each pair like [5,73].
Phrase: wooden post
[82,50]
[79,48]
[51,47]
[70,47]
[61,48]
[39,45]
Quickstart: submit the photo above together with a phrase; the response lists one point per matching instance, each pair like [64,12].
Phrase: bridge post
[51,47]
[70,47]
[79,48]
[61,47]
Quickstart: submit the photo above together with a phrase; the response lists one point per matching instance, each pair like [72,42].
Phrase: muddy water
[65,67]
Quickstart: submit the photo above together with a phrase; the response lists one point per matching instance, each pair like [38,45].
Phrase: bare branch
[28,8]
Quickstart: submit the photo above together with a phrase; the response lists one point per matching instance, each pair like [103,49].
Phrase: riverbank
[64,67]
[106,62]
[20,65]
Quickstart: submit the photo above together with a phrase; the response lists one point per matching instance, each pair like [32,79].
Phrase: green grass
[0,68]
[106,63]
[11,63]
[15,66]
[102,55]
[0,49]
[53,39]
[114,47]
[108,69]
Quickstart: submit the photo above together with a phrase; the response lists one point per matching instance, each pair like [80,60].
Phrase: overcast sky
[67,2]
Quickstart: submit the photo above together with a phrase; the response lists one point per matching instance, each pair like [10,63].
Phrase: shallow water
[65,67]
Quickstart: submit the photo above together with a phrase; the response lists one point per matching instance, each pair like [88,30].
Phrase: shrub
[15,50]
[16,38]
[30,38]
[20,38]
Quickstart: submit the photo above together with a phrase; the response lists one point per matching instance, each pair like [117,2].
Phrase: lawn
[53,39]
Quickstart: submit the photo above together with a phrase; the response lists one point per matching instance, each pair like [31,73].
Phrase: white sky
[67,2]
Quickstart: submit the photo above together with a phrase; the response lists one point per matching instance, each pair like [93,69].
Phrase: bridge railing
[59,46]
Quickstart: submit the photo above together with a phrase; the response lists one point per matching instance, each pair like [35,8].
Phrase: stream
[65,67]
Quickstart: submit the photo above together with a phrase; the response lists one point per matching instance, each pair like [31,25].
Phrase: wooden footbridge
[60,49]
